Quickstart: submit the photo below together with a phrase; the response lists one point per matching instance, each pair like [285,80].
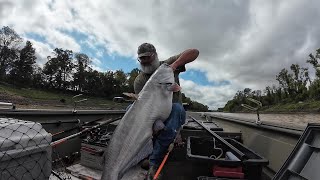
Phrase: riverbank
[308,106]
[24,98]
[292,108]
[300,107]
[297,120]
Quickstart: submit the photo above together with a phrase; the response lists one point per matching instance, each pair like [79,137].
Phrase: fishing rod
[170,148]
[77,126]
[57,142]
[235,150]
[155,177]
[60,122]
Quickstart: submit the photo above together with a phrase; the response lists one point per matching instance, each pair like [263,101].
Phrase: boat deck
[178,166]
[78,172]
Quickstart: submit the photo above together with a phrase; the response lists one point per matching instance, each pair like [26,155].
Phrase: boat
[211,146]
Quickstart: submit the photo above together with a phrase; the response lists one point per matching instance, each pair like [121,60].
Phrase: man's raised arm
[187,56]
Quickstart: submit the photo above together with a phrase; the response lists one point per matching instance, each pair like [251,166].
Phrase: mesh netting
[25,151]
[28,153]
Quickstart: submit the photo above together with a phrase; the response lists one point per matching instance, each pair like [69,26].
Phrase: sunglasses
[146,59]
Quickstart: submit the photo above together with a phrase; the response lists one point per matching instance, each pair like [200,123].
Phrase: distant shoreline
[277,112]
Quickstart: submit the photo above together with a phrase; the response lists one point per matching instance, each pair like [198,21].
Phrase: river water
[295,120]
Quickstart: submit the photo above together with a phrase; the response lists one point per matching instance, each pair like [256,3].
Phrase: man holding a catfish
[163,133]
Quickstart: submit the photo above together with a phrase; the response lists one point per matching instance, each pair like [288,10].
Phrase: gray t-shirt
[142,78]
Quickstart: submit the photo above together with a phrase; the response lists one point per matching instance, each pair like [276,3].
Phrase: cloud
[243,42]
[59,39]
[96,61]
[42,51]
[213,96]
[97,68]
[99,53]
[43,17]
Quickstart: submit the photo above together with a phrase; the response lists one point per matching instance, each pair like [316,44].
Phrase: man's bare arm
[187,56]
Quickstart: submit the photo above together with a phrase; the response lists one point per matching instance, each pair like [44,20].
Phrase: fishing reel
[98,136]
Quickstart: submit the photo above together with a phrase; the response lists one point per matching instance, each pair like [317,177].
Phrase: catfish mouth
[166,64]
[171,86]
[166,83]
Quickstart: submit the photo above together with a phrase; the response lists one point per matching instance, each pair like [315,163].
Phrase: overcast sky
[241,43]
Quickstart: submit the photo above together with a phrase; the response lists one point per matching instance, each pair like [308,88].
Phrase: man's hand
[157,127]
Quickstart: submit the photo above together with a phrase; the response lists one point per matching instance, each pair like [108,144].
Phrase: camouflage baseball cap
[146,49]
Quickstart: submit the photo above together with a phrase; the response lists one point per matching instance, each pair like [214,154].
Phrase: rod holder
[259,105]
[78,101]
[5,104]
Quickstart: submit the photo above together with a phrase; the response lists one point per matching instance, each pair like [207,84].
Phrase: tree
[50,70]
[185,99]
[82,68]
[132,76]
[22,68]
[64,58]
[314,89]
[314,61]
[9,40]
[108,84]
[93,84]
[269,94]
[286,82]
[196,106]
[247,91]
[38,77]
[301,78]
[58,69]
[120,82]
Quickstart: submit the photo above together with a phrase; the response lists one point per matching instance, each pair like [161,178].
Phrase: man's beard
[149,69]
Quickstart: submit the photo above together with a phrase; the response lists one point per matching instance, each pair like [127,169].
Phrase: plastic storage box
[93,147]
[92,156]
[25,151]
[304,161]
[207,149]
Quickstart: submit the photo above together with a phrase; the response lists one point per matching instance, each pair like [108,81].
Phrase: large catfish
[132,140]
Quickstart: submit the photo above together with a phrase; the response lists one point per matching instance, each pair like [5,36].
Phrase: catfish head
[158,91]
[163,78]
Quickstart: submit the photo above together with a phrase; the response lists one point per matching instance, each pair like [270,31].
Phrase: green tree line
[294,86]
[65,71]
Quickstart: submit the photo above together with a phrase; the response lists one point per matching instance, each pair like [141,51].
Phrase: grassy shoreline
[26,98]
[307,107]
[301,107]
